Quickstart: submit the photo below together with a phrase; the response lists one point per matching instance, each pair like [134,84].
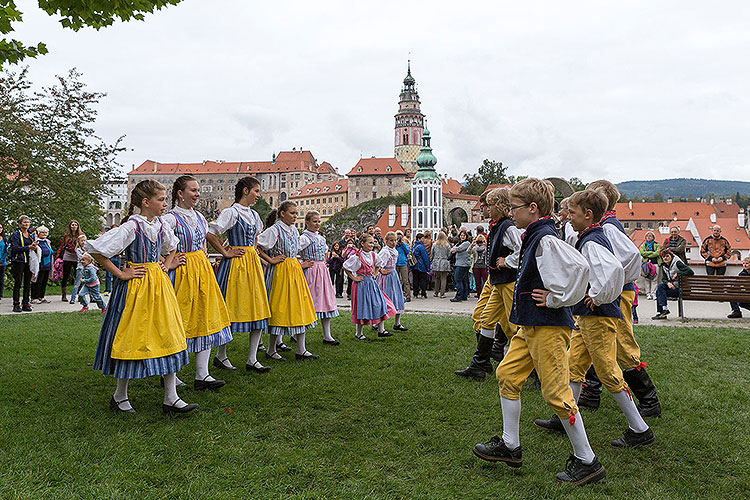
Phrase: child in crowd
[388,278]
[142,333]
[370,306]
[552,276]
[313,248]
[649,271]
[89,284]
[80,244]
[635,305]
[598,313]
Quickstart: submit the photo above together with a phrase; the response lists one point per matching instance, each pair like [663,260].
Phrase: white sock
[381,327]
[201,365]
[221,353]
[579,440]
[326,323]
[576,388]
[511,422]
[170,391]
[359,331]
[177,380]
[625,402]
[397,322]
[272,341]
[279,339]
[252,357]
[121,393]
[301,343]
[487,332]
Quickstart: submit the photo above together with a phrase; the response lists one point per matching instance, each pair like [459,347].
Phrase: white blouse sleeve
[267,239]
[512,240]
[382,257]
[606,275]
[352,264]
[114,241]
[304,242]
[170,240]
[564,272]
[227,218]
[170,221]
[625,251]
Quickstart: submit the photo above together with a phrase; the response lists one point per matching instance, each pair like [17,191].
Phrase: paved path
[698,313]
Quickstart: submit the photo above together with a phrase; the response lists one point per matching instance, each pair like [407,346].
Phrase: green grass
[378,419]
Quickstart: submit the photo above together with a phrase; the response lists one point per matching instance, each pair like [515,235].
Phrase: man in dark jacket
[676,243]
[717,251]
[422,267]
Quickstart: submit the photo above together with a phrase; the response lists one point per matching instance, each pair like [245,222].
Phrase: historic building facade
[409,125]
[426,192]
[326,198]
[375,177]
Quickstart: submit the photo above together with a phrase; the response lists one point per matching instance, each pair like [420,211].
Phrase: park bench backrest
[715,288]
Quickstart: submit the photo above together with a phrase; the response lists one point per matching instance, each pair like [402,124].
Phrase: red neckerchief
[580,235]
[608,215]
[493,223]
[527,227]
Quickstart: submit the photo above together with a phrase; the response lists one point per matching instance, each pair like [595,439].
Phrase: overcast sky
[638,90]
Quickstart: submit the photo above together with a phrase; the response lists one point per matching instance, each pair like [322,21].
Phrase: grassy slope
[378,419]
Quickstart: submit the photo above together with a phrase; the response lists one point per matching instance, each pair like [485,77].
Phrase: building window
[626,225]
[650,225]
[374,195]
[638,225]
[390,181]
[374,181]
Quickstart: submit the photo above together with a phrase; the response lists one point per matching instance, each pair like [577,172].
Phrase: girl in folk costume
[240,275]
[292,307]
[312,250]
[204,313]
[370,306]
[142,333]
[388,279]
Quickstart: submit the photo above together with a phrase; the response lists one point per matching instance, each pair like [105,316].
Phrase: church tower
[409,125]
[426,192]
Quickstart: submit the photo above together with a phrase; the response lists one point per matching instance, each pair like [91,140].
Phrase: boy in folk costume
[552,276]
[494,306]
[628,350]
[598,314]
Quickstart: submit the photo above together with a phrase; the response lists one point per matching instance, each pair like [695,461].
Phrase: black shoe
[400,328]
[283,347]
[17,308]
[643,389]
[455,300]
[660,315]
[374,328]
[26,307]
[553,424]
[471,372]
[257,368]
[261,347]
[331,342]
[632,439]
[172,409]
[115,405]
[589,401]
[734,314]
[306,356]
[495,450]
[578,473]
[219,363]
[385,333]
[275,356]
[202,385]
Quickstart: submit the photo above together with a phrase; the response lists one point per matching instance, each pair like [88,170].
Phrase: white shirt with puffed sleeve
[625,251]
[564,272]
[606,275]
[512,240]
[117,239]
[228,218]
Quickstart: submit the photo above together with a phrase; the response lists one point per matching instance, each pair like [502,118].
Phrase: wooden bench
[713,289]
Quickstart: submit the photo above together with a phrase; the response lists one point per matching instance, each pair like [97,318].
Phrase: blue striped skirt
[129,368]
[391,286]
[328,314]
[198,344]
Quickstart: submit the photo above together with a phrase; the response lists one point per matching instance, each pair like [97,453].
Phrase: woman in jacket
[479,255]
[421,268]
[403,246]
[67,252]
[671,269]
[335,262]
[461,270]
[4,254]
[21,243]
[441,252]
[650,249]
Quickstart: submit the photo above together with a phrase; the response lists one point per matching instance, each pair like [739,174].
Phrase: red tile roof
[461,196]
[664,211]
[326,168]
[737,236]
[377,166]
[639,235]
[451,186]
[383,222]
[322,188]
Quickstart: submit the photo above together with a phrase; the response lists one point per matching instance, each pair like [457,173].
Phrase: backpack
[648,270]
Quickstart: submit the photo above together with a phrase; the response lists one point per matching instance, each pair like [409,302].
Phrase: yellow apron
[150,325]
[199,297]
[290,296]
[246,290]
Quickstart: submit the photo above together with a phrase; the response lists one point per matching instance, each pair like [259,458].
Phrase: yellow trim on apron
[201,304]
[150,325]
[290,296]
[246,288]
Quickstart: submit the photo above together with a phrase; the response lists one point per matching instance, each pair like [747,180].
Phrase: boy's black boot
[498,345]
[495,450]
[644,391]
[578,473]
[480,364]
[591,391]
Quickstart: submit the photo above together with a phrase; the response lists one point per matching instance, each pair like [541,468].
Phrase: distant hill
[683,188]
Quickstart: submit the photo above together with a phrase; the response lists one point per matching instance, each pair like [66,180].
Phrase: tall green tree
[490,172]
[73,14]
[53,166]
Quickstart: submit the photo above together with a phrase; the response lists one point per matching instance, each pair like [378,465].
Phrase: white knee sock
[381,327]
[579,440]
[121,393]
[511,422]
[326,323]
[487,332]
[272,341]
[576,388]
[397,322]
[221,353]
[301,343]
[201,365]
[279,340]
[625,402]
[170,391]
[252,357]
[359,331]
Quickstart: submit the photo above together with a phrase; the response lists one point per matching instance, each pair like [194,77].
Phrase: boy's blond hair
[500,198]
[590,199]
[609,190]
[564,202]
[533,190]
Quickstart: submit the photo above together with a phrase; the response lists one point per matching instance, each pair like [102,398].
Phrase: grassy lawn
[378,419]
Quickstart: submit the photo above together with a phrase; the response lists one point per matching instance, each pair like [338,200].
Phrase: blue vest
[495,249]
[616,223]
[525,312]
[611,310]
